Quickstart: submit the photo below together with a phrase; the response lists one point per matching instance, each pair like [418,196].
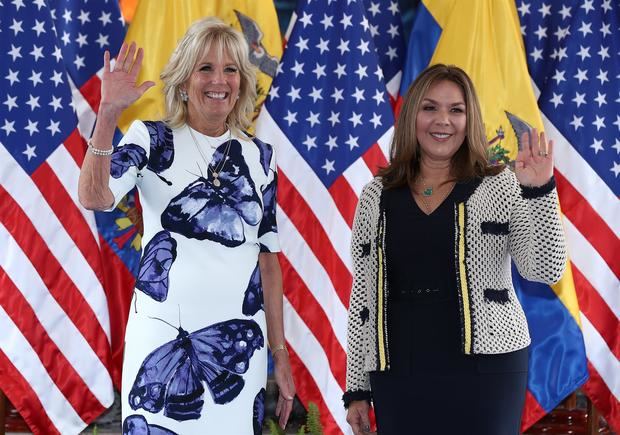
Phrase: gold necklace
[214,172]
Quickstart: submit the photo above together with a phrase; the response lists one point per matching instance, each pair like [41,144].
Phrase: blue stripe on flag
[554,334]
[425,34]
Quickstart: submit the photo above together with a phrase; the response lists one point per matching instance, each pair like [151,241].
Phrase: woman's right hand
[357,417]
[118,86]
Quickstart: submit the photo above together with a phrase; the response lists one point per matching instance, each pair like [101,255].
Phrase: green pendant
[428,191]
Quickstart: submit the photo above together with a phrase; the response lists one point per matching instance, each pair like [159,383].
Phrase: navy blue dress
[432,387]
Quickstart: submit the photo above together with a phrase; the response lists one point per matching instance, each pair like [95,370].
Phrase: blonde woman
[208,297]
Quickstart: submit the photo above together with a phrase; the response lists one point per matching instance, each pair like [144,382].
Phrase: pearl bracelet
[98,152]
[274,349]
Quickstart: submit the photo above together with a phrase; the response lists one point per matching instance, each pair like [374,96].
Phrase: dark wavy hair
[471,159]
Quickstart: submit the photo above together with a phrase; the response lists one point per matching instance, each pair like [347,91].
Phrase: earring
[184,95]
[237,97]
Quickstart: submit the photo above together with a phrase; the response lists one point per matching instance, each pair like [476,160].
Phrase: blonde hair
[470,160]
[198,40]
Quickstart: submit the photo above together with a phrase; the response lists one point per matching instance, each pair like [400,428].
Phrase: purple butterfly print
[137,425]
[185,394]
[171,377]
[125,157]
[258,414]
[157,259]
[253,298]
[162,147]
[266,151]
[205,212]
[268,223]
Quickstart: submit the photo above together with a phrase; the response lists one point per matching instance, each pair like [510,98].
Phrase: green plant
[312,426]
[313,420]
[274,428]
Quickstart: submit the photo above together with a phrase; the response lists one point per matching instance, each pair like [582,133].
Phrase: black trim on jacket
[529,192]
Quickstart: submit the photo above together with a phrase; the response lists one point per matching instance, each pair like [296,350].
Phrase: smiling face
[441,121]
[213,89]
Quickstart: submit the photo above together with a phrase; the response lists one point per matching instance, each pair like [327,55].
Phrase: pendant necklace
[215,172]
[426,192]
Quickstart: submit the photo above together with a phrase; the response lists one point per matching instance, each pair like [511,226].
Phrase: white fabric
[207,280]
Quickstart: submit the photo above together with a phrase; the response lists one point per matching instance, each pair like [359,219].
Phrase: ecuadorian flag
[483,38]
[158,27]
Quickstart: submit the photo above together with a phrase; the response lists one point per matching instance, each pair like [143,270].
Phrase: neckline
[221,138]
[421,209]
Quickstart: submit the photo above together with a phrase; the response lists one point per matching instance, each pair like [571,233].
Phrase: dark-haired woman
[437,339]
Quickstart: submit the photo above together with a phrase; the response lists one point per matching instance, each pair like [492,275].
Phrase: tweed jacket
[500,220]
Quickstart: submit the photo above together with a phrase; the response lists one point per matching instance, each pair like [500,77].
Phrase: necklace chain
[215,172]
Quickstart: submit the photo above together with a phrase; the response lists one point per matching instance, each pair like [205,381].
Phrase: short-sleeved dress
[195,359]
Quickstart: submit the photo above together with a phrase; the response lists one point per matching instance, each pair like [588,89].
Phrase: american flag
[573,52]
[329,117]
[84,31]
[386,28]
[55,359]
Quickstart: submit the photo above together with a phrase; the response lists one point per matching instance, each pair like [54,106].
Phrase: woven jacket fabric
[500,220]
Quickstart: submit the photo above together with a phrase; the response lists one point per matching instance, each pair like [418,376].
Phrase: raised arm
[537,242]
[118,91]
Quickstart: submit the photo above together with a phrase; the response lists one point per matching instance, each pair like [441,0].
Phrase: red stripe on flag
[602,398]
[597,311]
[304,219]
[91,90]
[532,411]
[308,391]
[24,399]
[52,274]
[66,378]
[118,285]
[69,215]
[374,158]
[315,319]
[345,199]
[76,146]
[589,223]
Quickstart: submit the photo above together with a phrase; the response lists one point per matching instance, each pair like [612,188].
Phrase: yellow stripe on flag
[158,26]
[483,38]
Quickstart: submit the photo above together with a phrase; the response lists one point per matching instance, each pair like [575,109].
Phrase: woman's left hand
[534,164]
[284,379]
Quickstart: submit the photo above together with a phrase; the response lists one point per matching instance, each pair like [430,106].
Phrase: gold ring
[542,154]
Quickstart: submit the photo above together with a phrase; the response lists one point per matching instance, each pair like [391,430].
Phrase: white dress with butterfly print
[195,358]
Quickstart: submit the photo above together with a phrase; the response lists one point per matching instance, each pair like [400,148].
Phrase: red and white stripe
[592,224]
[53,307]
[314,224]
